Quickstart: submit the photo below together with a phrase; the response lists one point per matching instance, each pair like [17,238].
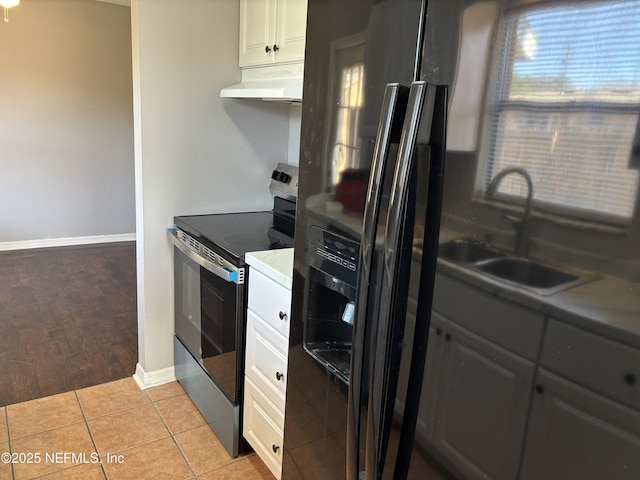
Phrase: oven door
[188,317]
[219,334]
[208,319]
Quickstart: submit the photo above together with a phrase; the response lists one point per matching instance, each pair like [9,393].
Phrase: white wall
[194,152]
[295,122]
[66,122]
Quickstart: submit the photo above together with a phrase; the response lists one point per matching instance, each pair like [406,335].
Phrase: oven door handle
[228,274]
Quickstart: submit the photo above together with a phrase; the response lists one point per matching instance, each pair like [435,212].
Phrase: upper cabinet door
[257,32]
[291,28]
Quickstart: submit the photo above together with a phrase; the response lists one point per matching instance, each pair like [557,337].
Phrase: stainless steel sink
[543,279]
[526,273]
[466,250]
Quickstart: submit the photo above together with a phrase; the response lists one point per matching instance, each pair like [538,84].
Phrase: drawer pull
[630,378]
[282,315]
[279,375]
[275,448]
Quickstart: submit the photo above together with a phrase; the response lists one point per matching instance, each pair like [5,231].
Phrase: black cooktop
[235,234]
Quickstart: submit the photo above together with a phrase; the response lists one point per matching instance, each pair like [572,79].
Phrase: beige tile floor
[116,431]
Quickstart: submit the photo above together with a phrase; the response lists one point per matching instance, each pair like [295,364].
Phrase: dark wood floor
[67,319]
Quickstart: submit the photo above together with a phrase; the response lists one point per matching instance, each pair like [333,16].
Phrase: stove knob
[285,177]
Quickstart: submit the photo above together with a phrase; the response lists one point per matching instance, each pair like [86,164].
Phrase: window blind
[566,106]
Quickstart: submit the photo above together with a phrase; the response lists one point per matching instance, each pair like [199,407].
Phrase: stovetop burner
[235,234]
[250,241]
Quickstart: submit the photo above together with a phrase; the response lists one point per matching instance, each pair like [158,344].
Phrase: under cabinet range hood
[279,83]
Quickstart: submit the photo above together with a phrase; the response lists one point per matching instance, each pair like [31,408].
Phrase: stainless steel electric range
[210,301]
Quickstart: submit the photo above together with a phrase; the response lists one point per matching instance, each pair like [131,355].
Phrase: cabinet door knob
[630,378]
[282,315]
[539,389]
[275,448]
[267,49]
[279,376]
[275,47]
[438,331]
[447,337]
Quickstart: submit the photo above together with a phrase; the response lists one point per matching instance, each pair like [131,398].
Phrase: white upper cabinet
[272,31]
[291,29]
[257,25]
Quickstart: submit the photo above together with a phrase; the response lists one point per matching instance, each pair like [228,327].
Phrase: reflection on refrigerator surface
[516,347]
[316,420]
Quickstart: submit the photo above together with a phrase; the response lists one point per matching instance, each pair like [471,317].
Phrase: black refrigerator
[466,288]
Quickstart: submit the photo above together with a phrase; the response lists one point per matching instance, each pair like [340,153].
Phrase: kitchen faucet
[522,224]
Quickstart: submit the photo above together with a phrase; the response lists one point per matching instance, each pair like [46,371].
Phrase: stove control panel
[284,181]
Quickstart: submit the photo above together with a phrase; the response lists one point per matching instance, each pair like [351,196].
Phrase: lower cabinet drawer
[263,427]
[266,359]
[600,364]
[270,300]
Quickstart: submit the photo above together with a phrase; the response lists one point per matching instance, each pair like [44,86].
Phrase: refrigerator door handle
[437,145]
[397,250]
[389,129]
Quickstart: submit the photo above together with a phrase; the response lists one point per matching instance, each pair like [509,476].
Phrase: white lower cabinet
[576,433]
[263,427]
[266,358]
[585,411]
[509,394]
[476,401]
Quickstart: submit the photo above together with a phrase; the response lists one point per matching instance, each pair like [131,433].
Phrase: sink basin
[466,250]
[529,273]
[541,278]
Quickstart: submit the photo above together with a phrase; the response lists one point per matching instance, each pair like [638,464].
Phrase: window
[566,106]
[342,143]
[346,145]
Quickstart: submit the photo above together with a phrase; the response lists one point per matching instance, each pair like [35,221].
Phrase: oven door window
[218,330]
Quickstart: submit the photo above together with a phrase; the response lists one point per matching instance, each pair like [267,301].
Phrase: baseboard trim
[153,379]
[65,242]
